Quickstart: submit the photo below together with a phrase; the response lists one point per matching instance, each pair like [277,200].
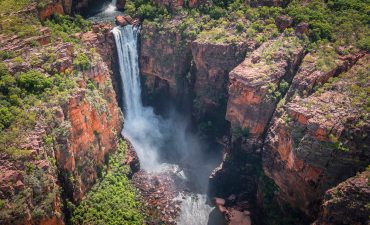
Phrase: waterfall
[142,127]
[111,7]
[151,134]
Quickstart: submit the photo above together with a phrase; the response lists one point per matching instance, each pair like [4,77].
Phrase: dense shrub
[81,62]
[145,9]
[216,12]
[63,26]
[101,207]
[6,117]
[34,81]
[341,21]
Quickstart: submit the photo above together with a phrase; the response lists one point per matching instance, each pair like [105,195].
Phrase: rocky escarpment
[93,123]
[348,198]
[318,67]
[63,151]
[317,142]
[257,84]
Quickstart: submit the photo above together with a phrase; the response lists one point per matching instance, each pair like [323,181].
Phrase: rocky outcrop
[317,68]
[91,123]
[165,59]
[213,62]
[317,142]
[75,131]
[101,39]
[29,193]
[257,84]
[283,22]
[347,203]
[50,9]
[232,215]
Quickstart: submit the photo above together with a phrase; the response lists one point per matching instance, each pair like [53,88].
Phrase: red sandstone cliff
[317,142]
[257,84]
[74,130]
[165,58]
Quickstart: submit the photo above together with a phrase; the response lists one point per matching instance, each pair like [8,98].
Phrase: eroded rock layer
[317,142]
[257,84]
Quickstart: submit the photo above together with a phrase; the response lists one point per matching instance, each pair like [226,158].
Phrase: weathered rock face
[317,142]
[101,39]
[257,84]
[92,121]
[165,59]
[213,63]
[28,182]
[347,203]
[317,68]
[74,131]
[51,9]
[282,22]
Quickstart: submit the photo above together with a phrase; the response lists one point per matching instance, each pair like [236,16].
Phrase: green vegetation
[145,9]
[274,92]
[273,214]
[32,198]
[339,21]
[63,27]
[34,81]
[240,132]
[113,200]
[21,97]
[81,62]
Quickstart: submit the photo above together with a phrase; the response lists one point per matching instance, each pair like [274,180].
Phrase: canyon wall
[76,129]
[257,84]
[316,142]
[291,112]
[165,59]
[213,62]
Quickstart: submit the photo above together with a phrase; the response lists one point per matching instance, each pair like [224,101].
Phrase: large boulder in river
[120,20]
[124,20]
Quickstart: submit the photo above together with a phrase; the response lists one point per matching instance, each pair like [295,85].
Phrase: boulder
[120,20]
[301,28]
[283,22]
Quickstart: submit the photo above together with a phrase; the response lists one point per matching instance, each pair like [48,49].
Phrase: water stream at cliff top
[152,135]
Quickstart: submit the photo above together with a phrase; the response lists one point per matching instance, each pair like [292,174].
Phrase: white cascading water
[150,133]
[111,7]
[141,124]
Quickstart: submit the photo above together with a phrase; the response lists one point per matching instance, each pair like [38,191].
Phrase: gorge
[184,112]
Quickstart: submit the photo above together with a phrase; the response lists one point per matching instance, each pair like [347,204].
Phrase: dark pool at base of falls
[103,13]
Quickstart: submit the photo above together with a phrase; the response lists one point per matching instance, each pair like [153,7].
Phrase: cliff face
[348,198]
[94,125]
[165,58]
[317,68]
[257,84]
[317,142]
[213,62]
[63,144]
